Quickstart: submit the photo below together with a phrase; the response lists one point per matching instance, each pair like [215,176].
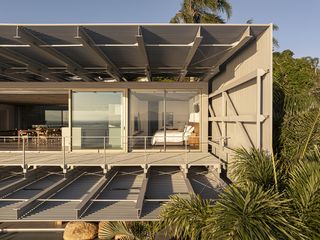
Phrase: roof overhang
[119,52]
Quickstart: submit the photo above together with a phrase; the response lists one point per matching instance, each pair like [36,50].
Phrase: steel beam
[142,193]
[26,36]
[243,42]
[94,192]
[33,67]
[188,184]
[240,118]
[88,43]
[13,77]
[238,81]
[33,202]
[196,42]
[143,50]
[32,175]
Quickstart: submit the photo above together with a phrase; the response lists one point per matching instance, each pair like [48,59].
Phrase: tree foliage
[129,230]
[186,218]
[203,11]
[251,212]
[295,92]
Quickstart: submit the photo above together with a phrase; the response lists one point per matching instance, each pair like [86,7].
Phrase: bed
[173,137]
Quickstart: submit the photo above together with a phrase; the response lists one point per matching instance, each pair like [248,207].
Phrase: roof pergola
[121,52]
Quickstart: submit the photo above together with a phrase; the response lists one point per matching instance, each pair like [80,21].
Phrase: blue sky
[299,24]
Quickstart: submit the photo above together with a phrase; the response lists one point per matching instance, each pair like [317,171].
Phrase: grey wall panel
[251,99]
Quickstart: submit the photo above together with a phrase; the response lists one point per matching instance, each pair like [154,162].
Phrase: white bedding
[172,136]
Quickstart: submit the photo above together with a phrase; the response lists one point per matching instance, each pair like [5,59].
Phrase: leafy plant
[253,166]
[304,190]
[203,11]
[129,230]
[186,218]
[251,213]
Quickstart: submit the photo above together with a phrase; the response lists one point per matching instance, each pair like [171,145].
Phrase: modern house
[106,121]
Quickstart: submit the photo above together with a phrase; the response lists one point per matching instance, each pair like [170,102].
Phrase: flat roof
[119,52]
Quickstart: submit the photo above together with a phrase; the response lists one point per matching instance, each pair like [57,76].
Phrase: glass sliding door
[146,126]
[170,119]
[97,120]
[182,119]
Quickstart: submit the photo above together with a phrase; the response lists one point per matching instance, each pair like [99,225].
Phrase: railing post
[23,155]
[64,153]
[186,150]
[145,148]
[104,151]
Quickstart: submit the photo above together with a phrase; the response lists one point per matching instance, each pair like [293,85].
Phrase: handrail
[103,144]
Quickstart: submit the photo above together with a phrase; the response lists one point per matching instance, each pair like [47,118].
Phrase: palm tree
[304,190]
[254,166]
[129,230]
[251,213]
[240,213]
[186,218]
[203,11]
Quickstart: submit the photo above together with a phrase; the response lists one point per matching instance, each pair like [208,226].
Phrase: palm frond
[186,217]
[300,135]
[204,11]
[109,230]
[253,166]
[250,213]
[304,190]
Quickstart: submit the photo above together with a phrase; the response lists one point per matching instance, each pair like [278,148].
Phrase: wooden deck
[72,159]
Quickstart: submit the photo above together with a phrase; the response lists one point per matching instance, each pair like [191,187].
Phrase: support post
[64,155]
[70,119]
[186,151]
[104,151]
[24,156]
[145,148]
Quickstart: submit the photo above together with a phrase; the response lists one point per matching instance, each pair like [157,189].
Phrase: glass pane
[182,119]
[146,126]
[97,116]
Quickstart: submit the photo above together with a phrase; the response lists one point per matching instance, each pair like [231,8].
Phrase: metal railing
[103,145]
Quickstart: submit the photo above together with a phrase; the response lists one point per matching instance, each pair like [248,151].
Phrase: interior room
[164,119]
[37,118]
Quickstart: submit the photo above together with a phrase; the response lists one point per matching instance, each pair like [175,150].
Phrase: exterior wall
[247,98]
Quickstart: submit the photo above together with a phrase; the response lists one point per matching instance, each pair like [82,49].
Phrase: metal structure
[86,193]
[230,64]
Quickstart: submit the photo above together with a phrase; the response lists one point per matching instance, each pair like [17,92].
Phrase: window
[164,119]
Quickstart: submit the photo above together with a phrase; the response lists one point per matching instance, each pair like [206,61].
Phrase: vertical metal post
[70,118]
[186,151]
[23,154]
[145,148]
[165,120]
[64,152]
[104,151]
